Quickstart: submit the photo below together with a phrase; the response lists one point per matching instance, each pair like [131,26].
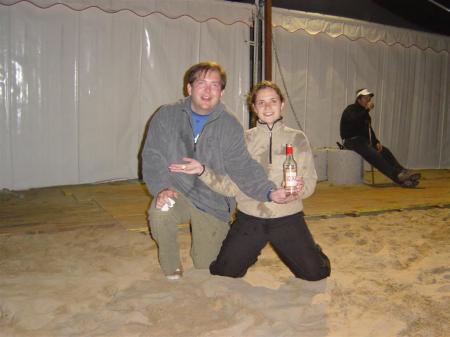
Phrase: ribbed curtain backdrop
[78,83]
[324,60]
[79,80]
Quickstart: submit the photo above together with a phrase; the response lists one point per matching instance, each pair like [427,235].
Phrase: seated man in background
[358,135]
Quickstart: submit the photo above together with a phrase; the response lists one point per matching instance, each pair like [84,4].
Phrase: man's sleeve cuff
[268,195]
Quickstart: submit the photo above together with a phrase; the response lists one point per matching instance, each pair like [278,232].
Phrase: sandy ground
[390,277]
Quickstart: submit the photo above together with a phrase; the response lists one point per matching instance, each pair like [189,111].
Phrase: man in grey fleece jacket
[199,127]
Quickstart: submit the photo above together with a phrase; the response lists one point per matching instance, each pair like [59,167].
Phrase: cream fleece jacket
[268,148]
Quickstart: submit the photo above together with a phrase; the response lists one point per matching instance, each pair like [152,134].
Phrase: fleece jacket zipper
[195,148]
[270,144]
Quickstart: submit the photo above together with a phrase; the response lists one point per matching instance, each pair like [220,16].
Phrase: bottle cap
[289,149]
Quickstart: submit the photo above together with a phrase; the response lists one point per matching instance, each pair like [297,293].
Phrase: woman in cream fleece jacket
[258,223]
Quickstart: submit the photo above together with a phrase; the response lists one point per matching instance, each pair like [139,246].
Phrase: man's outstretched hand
[189,166]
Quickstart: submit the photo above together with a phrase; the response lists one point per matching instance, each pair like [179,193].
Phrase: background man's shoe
[402,176]
[415,176]
[409,183]
[411,175]
[408,175]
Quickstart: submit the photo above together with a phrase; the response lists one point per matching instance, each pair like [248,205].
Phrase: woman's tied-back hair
[201,69]
[251,97]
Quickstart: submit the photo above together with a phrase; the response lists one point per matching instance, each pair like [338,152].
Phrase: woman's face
[268,105]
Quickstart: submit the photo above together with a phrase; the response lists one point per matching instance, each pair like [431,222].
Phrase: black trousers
[290,238]
[384,161]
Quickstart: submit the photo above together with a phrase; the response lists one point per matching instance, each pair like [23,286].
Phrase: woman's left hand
[300,184]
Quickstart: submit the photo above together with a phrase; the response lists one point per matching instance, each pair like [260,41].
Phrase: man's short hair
[203,68]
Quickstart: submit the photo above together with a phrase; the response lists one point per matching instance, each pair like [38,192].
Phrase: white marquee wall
[324,60]
[78,86]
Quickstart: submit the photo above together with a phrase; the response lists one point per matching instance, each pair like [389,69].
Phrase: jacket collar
[278,124]
[186,102]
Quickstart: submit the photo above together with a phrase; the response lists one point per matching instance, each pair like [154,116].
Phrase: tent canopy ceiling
[199,10]
[352,29]
[422,15]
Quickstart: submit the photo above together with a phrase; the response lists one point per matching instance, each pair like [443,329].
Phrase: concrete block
[345,167]
[320,162]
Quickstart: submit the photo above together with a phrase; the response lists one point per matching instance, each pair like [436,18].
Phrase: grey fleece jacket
[220,147]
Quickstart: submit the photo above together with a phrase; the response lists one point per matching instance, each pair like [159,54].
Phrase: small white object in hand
[167,205]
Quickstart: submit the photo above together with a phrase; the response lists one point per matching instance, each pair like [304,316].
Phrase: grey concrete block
[345,167]
[320,162]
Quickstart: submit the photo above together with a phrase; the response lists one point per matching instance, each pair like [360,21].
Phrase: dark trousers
[290,238]
[384,161]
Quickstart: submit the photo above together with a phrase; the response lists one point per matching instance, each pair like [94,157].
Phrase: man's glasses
[202,84]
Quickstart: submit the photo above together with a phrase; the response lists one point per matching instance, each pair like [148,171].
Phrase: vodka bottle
[290,171]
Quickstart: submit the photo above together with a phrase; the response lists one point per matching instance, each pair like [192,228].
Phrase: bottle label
[290,178]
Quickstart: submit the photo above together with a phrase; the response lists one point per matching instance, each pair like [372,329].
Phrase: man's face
[205,92]
[366,102]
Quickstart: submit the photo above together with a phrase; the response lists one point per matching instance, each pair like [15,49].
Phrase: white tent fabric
[411,81]
[78,86]
[80,79]
[333,26]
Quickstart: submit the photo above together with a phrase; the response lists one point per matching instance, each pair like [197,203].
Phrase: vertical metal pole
[259,41]
[257,52]
[268,40]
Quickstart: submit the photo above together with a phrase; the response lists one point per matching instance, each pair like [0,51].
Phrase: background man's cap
[364,92]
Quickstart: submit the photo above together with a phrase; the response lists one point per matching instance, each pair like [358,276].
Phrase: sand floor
[77,261]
